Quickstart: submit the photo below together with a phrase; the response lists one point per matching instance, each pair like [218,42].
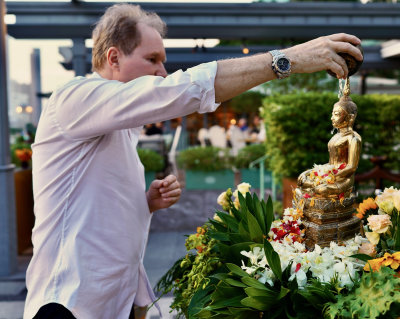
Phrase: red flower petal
[342,166]
[335,171]
[316,173]
[306,195]
[298,266]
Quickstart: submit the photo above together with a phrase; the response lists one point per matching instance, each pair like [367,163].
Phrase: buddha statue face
[339,117]
[344,113]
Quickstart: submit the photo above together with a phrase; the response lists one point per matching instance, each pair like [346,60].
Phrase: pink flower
[368,249]
[379,223]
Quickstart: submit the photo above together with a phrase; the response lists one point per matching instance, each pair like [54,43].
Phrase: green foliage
[248,154]
[376,296]
[250,101]
[151,160]
[294,147]
[207,158]
[308,82]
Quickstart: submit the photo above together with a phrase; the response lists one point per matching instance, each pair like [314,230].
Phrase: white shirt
[92,216]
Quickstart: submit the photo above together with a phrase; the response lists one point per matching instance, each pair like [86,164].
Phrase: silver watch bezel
[276,56]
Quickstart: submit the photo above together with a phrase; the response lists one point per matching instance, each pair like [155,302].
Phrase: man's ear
[113,55]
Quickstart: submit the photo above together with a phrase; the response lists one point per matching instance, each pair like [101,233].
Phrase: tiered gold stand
[327,219]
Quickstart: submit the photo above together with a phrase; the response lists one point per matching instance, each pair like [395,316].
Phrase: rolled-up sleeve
[89,107]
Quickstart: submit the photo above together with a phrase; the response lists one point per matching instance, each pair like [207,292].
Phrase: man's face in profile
[147,59]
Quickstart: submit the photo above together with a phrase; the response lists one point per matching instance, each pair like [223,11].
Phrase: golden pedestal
[327,219]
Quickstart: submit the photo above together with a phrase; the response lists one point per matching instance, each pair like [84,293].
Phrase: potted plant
[245,157]
[21,155]
[152,162]
[206,167]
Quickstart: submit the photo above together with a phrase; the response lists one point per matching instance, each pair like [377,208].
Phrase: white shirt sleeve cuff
[205,79]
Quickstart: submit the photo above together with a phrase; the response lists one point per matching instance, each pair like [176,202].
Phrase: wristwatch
[280,64]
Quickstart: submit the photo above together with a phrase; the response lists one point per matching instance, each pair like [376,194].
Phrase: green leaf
[259,303]
[234,282]
[237,270]
[199,300]
[237,214]
[242,202]
[249,202]
[269,214]
[257,292]
[238,238]
[249,281]
[273,259]
[228,220]
[218,235]
[258,213]
[243,230]
[227,302]
[218,226]
[220,276]
[256,233]
[234,252]
[362,257]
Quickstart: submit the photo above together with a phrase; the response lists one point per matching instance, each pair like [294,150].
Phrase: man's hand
[322,54]
[163,193]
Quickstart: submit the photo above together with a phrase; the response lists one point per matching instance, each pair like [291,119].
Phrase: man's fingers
[172,193]
[340,64]
[338,70]
[169,180]
[170,200]
[343,47]
[344,37]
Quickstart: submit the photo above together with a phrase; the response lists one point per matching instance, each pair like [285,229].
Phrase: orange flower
[368,203]
[387,260]
[24,155]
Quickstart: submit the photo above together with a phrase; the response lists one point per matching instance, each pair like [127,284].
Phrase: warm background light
[233,121]
[28,109]
[19,109]
[245,50]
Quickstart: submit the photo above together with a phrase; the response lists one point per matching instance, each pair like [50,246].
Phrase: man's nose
[161,71]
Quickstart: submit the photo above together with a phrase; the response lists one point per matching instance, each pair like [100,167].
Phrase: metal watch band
[276,55]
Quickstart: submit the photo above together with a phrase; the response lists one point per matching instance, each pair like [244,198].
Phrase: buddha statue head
[344,113]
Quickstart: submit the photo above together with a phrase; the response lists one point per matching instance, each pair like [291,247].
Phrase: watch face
[283,64]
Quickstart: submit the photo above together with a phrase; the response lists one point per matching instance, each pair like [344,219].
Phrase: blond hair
[118,28]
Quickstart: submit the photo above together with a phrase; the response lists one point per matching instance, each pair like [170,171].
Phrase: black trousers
[57,311]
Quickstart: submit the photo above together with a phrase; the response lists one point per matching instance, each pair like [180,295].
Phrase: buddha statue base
[327,219]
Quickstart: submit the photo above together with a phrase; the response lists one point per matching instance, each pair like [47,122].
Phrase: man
[92,211]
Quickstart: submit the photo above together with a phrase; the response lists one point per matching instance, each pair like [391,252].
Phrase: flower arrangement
[325,174]
[244,264]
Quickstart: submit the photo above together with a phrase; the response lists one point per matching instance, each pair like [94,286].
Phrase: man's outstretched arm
[235,76]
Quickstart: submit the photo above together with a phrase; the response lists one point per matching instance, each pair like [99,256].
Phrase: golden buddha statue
[325,192]
[336,177]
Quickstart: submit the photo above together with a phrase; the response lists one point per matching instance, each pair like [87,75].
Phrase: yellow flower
[237,203]
[368,203]
[379,223]
[217,218]
[223,200]
[387,260]
[372,237]
[244,188]
[389,199]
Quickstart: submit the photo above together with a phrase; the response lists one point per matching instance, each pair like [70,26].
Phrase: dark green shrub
[207,158]
[152,161]
[248,154]
[299,128]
